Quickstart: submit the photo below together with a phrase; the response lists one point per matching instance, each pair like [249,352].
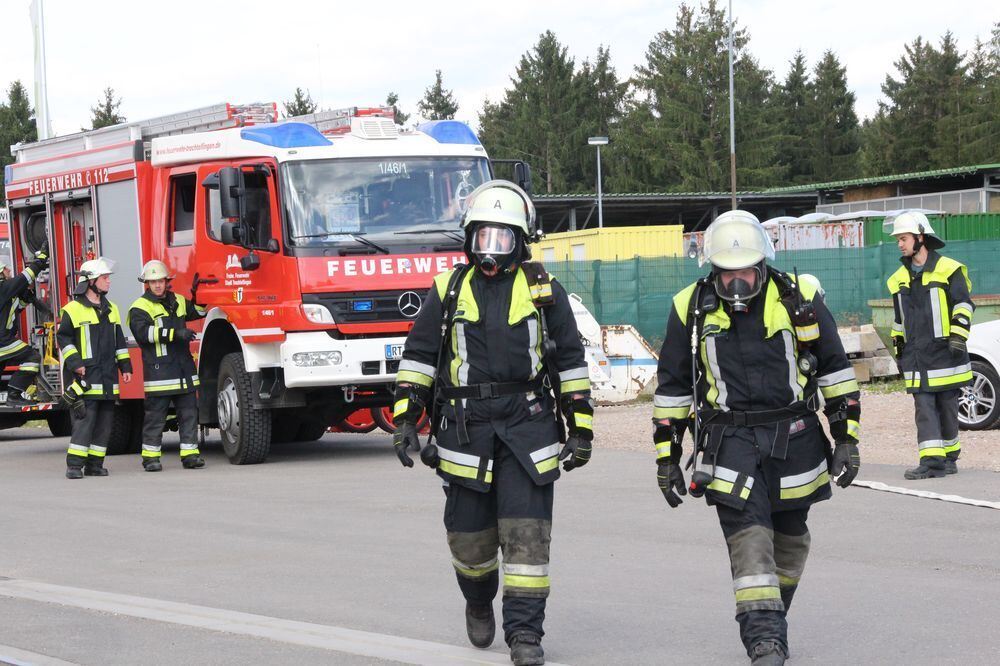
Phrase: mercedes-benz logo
[409,304]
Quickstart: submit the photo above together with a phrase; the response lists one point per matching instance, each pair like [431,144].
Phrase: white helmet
[736,240]
[95,268]
[916,223]
[501,202]
[155,269]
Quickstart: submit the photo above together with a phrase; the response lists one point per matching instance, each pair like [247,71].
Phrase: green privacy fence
[639,291]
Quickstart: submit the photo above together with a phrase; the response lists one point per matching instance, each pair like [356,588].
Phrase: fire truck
[311,241]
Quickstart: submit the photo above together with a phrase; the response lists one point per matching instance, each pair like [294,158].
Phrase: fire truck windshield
[333,201]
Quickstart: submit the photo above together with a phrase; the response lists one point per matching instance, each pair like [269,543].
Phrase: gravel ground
[888,434]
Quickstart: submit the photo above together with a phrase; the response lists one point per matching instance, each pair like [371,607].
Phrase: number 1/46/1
[392,168]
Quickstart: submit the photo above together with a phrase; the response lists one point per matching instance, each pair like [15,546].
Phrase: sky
[167,57]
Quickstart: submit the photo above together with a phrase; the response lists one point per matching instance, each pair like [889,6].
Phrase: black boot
[767,653]
[480,624]
[74,472]
[526,649]
[192,462]
[931,467]
[94,467]
[951,464]
[152,464]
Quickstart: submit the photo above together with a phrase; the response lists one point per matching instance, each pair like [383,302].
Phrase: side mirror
[251,262]
[272,245]
[231,191]
[522,176]
[231,233]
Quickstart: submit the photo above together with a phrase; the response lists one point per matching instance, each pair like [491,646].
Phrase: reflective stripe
[897,329]
[662,449]
[188,452]
[832,378]
[28,367]
[188,447]
[672,400]
[583,420]
[400,407]
[756,580]
[945,372]
[68,351]
[476,570]
[85,341]
[463,464]
[936,312]
[793,368]
[575,386]
[77,450]
[151,453]
[724,482]
[121,354]
[416,366]
[463,353]
[853,429]
[534,354]
[510,580]
[152,333]
[574,373]
[526,569]
[151,447]
[13,346]
[547,452]
[807,333]
[28,274]
[460,458]
[758,594]
[722,392]
[952,445]
[412,377]
[99,451]
[962,309]
[931,444]
[805,484]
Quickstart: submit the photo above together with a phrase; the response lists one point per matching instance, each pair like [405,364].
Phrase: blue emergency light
[8,174]
[285,135]
[449,131]
[362,306]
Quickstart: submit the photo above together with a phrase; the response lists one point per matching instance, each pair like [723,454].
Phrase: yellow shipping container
[611,243]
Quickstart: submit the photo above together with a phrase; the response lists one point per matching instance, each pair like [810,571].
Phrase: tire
[978,406]
[246,431]
[383,419]
[126,429]
[310,431]
[359,421]
[61,423]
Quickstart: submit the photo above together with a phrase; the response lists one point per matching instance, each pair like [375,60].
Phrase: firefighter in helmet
[94,352]
[933,313]
[158,320]
[766,344]
[16,293]
[491,341]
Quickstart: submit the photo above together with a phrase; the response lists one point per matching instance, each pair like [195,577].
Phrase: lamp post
[599,141]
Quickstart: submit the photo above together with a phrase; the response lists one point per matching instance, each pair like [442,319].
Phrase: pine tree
[599,97]
[302,104]
[392,99]
[437,103]
[17,124]
[793,103]
[834,131]
[106,112]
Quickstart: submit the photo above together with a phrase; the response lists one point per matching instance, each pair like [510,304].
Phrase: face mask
[493,246]
[739,292]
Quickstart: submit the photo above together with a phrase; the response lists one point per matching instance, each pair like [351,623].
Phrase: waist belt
[491,390]
[715,421]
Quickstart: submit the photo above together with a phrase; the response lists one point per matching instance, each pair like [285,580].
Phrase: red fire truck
[312,241]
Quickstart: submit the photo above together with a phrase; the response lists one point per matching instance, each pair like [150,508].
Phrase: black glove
[429,456]
[956,343]
[846,463]
[184,334]
[671,480]
[899,344]
[405,438]
[576,453]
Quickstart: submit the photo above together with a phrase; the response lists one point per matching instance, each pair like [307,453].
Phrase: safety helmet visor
[492,239]
[739,286]
[737,240]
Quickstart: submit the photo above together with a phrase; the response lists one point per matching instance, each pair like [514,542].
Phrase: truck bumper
[361,361]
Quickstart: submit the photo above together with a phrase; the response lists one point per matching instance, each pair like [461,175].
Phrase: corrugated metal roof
[875,180]
[650,195]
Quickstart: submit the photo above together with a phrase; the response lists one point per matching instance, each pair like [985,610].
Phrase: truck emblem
[232,261]
[409,304]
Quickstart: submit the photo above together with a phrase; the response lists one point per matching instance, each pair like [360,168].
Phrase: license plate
[393,352]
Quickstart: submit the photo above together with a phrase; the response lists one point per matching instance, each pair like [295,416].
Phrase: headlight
[317,314]
[314,359]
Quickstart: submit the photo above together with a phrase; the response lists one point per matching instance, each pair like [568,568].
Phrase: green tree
[536,115]
[392,99]
[301,104]
[17,124]
[685,78]
[599,97]
[106,112]
[437,103]
[834,130]
[793,103]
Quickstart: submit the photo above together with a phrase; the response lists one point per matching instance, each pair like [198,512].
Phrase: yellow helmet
[155,269]
[501,202]
[736,240]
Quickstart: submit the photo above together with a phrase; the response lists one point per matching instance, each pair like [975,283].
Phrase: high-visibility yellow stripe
[850,386]
[726,488]
[400,407]
[477,572]
[575,385]
[533,582]
[806,489]
[853,429]
[787,581]
[932,452]
[584,420]
[671,412]
[546,465]
[413,377]
[150,454]
[189,452]
[758,594]
[951,448]
[949,379]
[807,333]
[463,471]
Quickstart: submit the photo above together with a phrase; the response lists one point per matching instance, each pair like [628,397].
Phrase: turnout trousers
[515,516]
[936,415]
[88,443]
[28,362]
[155,417]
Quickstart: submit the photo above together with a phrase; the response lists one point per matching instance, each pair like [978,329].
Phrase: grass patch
[885,386]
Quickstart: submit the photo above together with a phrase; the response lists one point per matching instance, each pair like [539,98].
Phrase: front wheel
[245,430]
[977,406]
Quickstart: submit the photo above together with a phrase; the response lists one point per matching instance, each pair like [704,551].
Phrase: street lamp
[599,141]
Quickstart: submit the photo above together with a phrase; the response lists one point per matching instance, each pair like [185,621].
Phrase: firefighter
[157,320]
[766,344]
[933,313]
[15,295]
[488,344]
[94,352]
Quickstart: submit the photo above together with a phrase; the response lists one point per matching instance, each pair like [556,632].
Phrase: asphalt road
[335,536]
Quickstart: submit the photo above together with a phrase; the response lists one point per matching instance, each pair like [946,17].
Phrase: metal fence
[639,291]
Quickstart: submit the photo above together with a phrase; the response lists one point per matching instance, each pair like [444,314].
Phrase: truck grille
[369,306]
